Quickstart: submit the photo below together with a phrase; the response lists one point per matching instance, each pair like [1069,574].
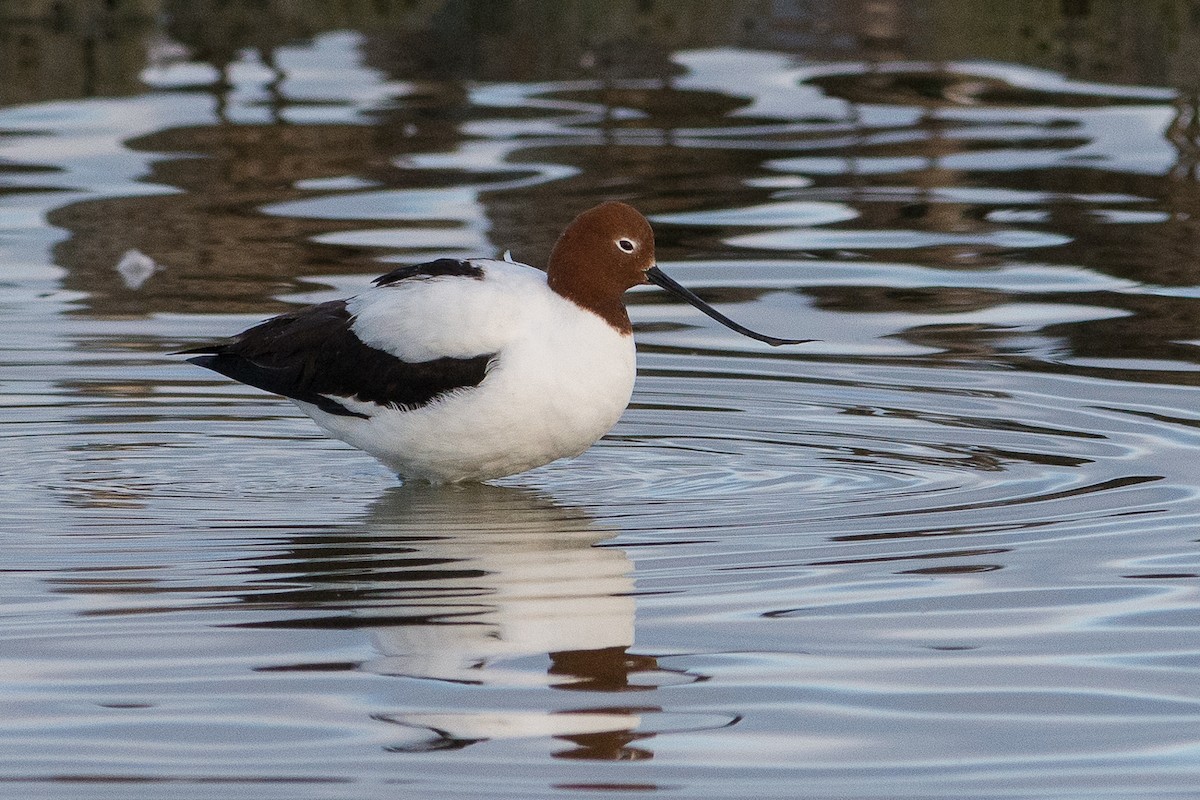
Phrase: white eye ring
[626,245]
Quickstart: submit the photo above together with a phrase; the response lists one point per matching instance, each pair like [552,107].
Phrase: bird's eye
[627,245]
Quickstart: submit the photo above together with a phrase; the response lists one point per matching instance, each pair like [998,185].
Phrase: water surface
[947,550]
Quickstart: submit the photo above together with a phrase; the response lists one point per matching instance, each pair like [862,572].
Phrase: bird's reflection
[492,586]
[492,574]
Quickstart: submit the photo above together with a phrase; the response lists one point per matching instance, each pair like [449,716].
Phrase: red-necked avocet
[469,370]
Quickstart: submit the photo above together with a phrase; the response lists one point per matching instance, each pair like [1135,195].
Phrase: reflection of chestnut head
[605,669]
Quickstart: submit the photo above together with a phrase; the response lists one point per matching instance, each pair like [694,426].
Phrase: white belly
[544,398]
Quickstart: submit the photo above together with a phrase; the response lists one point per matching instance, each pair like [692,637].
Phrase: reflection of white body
[521,724]
[539,593]
[522,578]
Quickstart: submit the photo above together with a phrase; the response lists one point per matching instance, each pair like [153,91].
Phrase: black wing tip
[229,366]
[205,361]
[245,371]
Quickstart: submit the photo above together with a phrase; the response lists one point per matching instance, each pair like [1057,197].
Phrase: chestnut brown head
[604,251]
[610,248]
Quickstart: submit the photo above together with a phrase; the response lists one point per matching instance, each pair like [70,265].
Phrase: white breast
[560,379]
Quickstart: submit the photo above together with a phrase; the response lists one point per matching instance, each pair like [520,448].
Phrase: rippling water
[949,549]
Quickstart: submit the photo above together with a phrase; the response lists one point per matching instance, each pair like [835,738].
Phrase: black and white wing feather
[313,355]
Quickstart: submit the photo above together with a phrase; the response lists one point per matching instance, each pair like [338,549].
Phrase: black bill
[660,278]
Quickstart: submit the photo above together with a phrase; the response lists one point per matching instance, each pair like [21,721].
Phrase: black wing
[313,352]
[431,269]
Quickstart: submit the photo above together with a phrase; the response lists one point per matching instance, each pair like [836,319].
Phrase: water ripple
[948,549]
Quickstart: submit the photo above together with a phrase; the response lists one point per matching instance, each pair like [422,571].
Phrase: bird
[469,370]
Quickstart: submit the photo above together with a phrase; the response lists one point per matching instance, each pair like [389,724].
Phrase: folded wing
[313,355]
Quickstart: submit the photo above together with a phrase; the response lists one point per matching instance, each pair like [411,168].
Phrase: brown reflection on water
[1156,248]
[73,49]
[216,249]
[70,48]
[220,252]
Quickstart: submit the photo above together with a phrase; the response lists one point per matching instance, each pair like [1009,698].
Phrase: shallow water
[947,550]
